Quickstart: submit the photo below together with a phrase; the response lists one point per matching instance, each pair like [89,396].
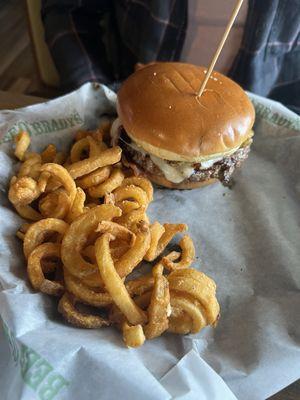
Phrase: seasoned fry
[60,173]
[22,141]
[35,271]
[131,192]
[139,286]
[23,191]
[159,308]
[85,294]
[143,183]
[187,255]
[77,207]
[49,154]
[197,285]
[90,230]
[55,204]
[43,181]
[77,235]
[114,283]
[194,311]
[38,231]
[133,217]
[133,336]
[125,264]
[179,322]
[84,167]
[96,147]
[94,178]
[78,149]
[117,230]
[22,230]
[156,232]
[66,307]
[114,181]
[27,212]
[128,206]
[170,230]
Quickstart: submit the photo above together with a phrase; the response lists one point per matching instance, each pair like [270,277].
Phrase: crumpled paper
[247,240]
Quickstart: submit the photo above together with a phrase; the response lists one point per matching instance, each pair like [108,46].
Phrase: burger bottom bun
[160,180]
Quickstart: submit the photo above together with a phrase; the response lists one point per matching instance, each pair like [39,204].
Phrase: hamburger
[175,138]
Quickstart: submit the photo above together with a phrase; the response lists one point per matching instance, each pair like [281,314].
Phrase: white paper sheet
[247,240]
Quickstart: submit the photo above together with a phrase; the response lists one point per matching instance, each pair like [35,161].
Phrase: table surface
[10,100]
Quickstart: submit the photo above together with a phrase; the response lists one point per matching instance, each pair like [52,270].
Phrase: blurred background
[22,72]
[50,47]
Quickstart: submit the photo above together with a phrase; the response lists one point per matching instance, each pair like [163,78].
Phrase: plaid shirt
[268,62]
[102,40]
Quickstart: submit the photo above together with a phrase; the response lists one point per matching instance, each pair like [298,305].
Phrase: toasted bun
[162,181]
[160,111]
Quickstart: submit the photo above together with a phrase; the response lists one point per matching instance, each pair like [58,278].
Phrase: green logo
[36,372]
[274,117]
[43,127]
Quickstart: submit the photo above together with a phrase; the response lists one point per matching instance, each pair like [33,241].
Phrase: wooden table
[10,100]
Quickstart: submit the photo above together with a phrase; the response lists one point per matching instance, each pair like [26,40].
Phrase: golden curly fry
[179,321]
[126,264]
[143,183]
[161,237]
[156,232]
[114,284]
[141,285]
[24,227]
[61,174]
[77,207]
[35,271]
[114,181]
[31,166]
[194,311]
[79,149]
[28,212]
[43,181]
[85,294]
[196,285]
[116,230]
[22,141]
[76,237]
[92,248]
[37,232]
[159,308]
[133,217]
[23,191]
[187,255]
[55,204]
[49,154]
[66,307]
[94,178]
[107,157]
[131,192]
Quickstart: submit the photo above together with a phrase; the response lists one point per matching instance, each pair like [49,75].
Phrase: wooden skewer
[220,47]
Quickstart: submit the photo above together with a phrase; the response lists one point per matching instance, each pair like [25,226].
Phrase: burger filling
[175,171]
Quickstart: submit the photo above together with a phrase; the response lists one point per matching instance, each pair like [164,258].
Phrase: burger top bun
[161,112]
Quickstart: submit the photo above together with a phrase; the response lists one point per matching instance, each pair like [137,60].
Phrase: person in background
[268,61]
[103,40]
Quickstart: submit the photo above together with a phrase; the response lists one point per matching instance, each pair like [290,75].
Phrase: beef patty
[221,170]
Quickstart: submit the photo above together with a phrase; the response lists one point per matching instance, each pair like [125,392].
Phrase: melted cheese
[175,174]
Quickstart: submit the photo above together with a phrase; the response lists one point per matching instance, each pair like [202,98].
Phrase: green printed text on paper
[36,372]
[43,127]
